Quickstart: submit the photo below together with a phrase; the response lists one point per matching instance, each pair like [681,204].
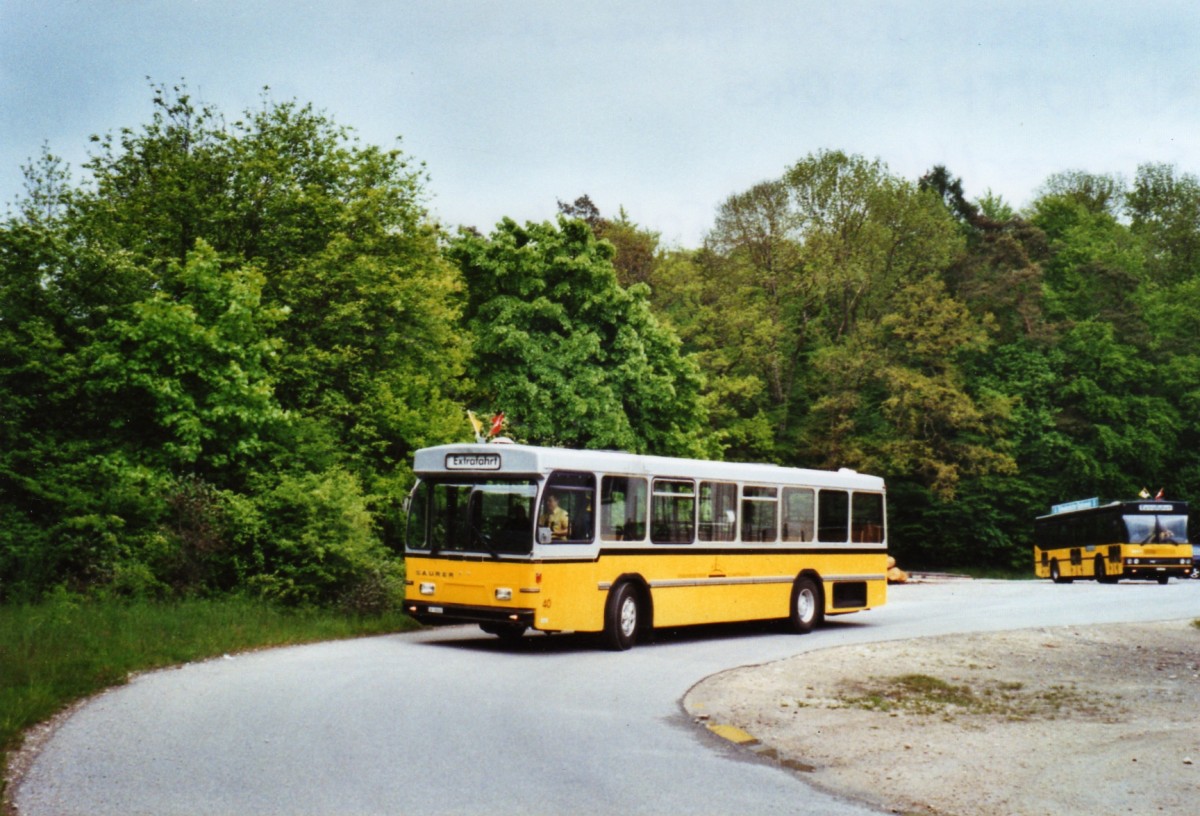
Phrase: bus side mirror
[406,505]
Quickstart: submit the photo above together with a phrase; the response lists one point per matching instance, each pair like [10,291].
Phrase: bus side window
[574,495]
[866,518]
[622,508]
[718,511]
[833,516]
[798,514]
[759,506]
[673,512]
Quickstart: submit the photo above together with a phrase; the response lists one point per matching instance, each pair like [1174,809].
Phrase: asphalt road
[452,722]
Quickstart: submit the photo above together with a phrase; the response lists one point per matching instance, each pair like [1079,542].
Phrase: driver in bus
[556,519]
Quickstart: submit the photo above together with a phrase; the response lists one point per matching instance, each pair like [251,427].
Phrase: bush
[315,543]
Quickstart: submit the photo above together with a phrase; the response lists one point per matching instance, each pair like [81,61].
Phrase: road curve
[452,722]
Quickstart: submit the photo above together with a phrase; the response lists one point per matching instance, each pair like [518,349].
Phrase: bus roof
[1130,506]
[482,459]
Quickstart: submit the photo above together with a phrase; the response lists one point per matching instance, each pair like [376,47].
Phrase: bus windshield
[473,515]
[1146,529]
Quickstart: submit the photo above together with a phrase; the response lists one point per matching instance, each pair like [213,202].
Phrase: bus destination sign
[473,461]
[1082,504]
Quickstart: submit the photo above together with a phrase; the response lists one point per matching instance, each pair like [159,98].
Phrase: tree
[792,267]
[636,248]
[998,273]
[570,356]
[895,400]
[340,233]
[1164,208]
[223,311]
[1096,193]
[185,380]
[1095,264]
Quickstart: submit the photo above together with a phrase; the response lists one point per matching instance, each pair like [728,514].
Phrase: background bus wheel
[807,608]
[1102,574]
[1056,575]
[621,618]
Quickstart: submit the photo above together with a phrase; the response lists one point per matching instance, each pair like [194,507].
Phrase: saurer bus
[517,538]
[1145,539]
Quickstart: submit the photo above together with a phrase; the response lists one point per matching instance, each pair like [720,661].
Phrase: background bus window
[833,515]
[718,511]
[575,493]
[623,508]
[673,512]
[1157,529]
[798,514]
[866,518]
[760,507]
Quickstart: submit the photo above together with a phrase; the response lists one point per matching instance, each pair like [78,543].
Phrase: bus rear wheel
[808,608]
[621,618]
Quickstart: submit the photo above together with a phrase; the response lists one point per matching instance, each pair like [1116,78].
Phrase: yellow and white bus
[516,537]
[1123,539]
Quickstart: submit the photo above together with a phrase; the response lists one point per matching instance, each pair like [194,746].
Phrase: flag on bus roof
[477,425]
[497,424]
[1145,494]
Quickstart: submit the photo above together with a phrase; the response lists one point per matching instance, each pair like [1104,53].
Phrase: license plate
[435,610]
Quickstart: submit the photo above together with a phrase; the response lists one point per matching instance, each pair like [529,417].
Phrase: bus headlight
[503,594]
[428,588]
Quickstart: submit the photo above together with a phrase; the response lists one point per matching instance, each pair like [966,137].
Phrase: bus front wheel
[1056,574]
[508,632]
[807,609]
[621,618]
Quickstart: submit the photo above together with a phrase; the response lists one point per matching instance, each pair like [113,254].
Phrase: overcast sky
[664,108]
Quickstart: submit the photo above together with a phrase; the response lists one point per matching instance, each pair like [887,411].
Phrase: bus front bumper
[1152,571]
[445,614]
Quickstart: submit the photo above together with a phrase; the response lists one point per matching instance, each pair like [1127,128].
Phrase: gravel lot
[1072,720]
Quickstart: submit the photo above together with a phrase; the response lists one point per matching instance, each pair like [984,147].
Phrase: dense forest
[220,348]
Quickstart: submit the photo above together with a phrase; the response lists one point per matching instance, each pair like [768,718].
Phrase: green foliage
[574,358]
[186,378]
[312,541]
[219,351]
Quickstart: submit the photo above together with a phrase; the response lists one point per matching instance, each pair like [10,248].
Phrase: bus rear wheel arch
[807,608]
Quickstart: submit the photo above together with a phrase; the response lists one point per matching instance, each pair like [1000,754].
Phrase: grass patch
[924,695]
[66,648]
